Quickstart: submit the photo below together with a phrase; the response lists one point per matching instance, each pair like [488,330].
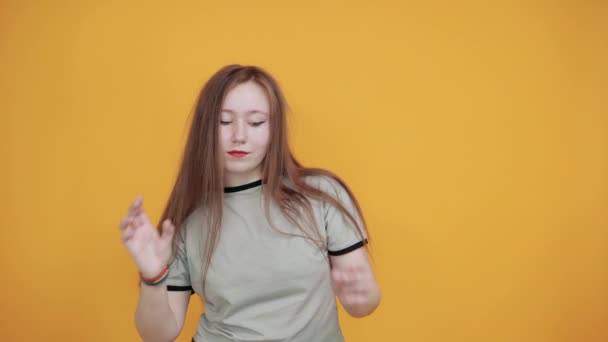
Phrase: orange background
[474,135]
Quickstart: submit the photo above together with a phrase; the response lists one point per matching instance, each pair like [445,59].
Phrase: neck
[232,180]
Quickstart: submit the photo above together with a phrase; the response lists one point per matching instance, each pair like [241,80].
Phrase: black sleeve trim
[348,249]
[179,288]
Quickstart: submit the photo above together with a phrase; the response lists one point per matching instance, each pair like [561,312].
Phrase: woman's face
[244,133]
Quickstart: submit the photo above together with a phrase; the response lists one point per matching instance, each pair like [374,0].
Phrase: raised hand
[149,249]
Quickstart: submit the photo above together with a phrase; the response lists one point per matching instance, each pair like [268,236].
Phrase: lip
[238,154]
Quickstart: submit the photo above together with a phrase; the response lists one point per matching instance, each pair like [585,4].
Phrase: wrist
[155,279]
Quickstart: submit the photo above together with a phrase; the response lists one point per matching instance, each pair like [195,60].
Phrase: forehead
[246,97]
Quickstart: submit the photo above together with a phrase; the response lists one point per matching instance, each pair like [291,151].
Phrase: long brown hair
[200,178]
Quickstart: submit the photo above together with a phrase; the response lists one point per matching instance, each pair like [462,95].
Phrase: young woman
[266,242]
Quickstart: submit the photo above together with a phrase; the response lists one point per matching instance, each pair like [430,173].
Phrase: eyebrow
[253,111]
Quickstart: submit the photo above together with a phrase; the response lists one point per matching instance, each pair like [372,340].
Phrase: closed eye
[256,124]
[225,122]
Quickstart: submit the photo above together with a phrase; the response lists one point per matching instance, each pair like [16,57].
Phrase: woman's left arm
[354,282]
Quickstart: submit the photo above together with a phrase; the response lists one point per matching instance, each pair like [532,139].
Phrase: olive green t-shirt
[265,285]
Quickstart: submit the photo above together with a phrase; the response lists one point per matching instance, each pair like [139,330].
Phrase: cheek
[224,137]
[260,137]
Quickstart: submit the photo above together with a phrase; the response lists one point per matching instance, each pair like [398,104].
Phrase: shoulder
[325,183]
[333,188]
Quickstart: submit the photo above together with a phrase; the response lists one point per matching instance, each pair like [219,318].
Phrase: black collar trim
[238,188]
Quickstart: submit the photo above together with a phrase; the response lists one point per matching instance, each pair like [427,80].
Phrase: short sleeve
[342,235]
[179,274]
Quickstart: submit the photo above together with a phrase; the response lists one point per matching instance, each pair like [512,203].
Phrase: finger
[142,220]
[347,277]
[136,205]
[129,231]
[168,229]
[357,299]
[350,285]
[138,221]
[124,223]
[339,281]
[144,217]
[356,273]
[128,234]
[364,288]
[139,205]
[127,223]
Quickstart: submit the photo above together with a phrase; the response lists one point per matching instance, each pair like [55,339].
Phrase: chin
[239,170]
[238,167]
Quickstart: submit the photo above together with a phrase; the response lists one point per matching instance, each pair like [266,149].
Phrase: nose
[239,132]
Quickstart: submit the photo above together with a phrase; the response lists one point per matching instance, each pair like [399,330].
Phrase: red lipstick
[238,154]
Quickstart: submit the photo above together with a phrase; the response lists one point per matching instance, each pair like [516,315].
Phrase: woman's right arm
[160,313]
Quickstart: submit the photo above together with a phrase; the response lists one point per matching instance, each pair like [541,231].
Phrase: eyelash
[254,124]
